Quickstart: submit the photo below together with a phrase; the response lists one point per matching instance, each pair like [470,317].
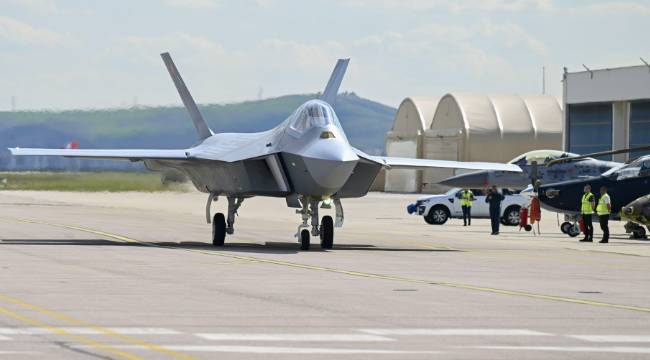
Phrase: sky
[79,54]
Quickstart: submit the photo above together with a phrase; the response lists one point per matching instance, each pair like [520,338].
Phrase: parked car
[437,209]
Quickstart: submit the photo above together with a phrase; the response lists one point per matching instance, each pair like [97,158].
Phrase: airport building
[468,127]
[607,109]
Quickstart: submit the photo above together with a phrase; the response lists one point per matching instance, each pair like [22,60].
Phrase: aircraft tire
[218,229]
[638,233]
[565,227]
[304,239]
[327,232]
[574,231]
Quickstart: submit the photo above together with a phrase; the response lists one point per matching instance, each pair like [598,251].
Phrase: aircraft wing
[410,163]
[114,154]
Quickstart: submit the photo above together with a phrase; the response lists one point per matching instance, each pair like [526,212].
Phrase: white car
[437,209]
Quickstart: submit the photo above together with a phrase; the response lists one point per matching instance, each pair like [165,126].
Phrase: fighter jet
[627,185]
[583,168]
[306,159]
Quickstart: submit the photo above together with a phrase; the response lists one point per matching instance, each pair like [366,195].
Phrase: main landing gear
[324,230]
[222,224]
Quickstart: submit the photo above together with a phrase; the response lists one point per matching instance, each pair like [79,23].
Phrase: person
[587,205]
[603,209]
[466,198]
[494,198]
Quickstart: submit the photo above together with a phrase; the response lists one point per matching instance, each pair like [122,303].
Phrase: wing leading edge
[409,163]
[115,154]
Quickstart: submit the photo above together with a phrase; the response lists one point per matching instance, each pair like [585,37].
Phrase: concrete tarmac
[133,276]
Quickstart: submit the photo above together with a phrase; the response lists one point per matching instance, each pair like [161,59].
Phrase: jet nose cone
[330,174]
[330,149]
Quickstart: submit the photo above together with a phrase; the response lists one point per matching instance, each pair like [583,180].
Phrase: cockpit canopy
[310,114]
[638,167]
[541,156]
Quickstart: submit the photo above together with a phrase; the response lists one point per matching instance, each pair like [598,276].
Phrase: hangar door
[439,146]
[402,180]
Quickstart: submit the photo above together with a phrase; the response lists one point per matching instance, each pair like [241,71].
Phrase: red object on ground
[582,225]
[535,211]
[523,217]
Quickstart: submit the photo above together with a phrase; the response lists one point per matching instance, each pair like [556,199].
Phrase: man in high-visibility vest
[466,198]
[603,209]
[587,206]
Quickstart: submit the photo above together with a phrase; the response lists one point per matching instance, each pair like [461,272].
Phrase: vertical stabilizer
[332,88]
[201,126]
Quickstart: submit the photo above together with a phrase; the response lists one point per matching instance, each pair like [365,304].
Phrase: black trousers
[495,220]
[589,226]
[604,226]
[467,215]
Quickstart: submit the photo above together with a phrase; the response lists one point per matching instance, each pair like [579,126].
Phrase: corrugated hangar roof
[520,122]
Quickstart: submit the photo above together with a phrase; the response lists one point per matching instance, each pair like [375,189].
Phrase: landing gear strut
[222,225]
[324,230]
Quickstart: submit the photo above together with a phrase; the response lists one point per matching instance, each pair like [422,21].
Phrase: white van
[437,209]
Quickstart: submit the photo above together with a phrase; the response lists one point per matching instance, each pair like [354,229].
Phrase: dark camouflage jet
[583,168]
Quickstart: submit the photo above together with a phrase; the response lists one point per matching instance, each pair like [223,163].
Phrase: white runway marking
[295,337]
[613,338]
[455,332]
[613,349]
[4,338]
[89,331]
[272,349]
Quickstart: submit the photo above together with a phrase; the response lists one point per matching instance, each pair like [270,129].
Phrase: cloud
[433,35]
[307,56]
[21,33]
[192,4]
[42,6]
[620,7]
[455,5]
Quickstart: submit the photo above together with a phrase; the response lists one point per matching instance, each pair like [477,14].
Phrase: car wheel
[511,216]
[438,215]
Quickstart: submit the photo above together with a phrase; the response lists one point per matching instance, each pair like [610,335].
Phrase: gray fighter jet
[306,159]
[563,171]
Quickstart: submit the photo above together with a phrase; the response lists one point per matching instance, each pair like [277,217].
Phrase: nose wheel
[304,239]
[327,232]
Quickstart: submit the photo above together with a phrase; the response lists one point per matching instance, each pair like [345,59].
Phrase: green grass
[87,181]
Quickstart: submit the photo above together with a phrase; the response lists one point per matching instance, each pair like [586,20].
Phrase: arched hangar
[473,127]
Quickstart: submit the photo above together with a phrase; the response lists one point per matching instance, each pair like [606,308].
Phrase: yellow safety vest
[602,209]
[466,198]
[586,207]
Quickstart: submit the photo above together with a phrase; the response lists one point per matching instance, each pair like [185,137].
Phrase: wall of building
[607,109]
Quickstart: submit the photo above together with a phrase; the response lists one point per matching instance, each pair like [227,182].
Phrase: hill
[364,121]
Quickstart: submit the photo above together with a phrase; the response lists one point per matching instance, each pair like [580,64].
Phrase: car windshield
[311,114]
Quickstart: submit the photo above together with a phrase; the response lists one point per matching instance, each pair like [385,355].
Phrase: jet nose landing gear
[324,230]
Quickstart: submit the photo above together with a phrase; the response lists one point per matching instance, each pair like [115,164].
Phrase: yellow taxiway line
[359,273]
[70,320]
[80,339]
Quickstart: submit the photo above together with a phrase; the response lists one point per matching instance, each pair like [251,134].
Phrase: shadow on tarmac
[267,248]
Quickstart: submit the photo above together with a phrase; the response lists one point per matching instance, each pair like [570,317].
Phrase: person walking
[494,198]
[587,206]
[603,209]
[466,198]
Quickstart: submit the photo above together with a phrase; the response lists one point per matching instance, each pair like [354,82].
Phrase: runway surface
[132,276]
